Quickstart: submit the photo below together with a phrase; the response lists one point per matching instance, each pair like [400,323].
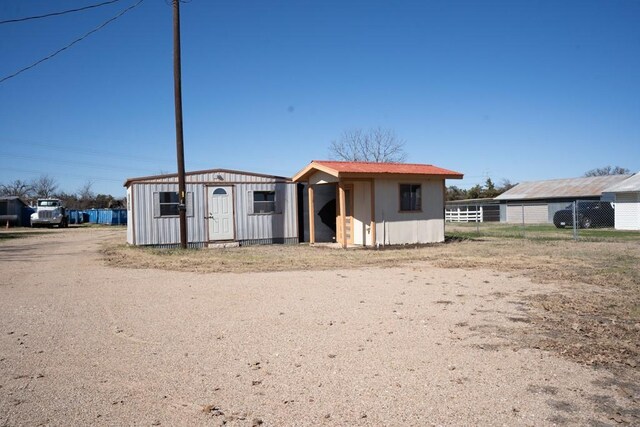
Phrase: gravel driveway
[86,344]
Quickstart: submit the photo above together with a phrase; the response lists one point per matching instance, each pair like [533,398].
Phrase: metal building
[224,207]
[538,201]
[14,211]
[627,202]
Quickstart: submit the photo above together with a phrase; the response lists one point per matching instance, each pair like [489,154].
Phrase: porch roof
[372,170]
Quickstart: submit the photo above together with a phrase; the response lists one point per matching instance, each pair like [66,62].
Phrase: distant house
[538,201]
[14,211]
[224,207]
[627,203]
[362,203]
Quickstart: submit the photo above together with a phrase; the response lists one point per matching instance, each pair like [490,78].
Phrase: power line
[59,173]
[82,150]
[99,27]
[64,12]
[101,153]
[82,163]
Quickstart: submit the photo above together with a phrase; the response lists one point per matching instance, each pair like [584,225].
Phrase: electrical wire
[77,150]
[63,173]
[64,12]
[99,27]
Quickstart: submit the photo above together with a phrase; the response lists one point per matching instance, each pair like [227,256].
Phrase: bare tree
[374,145]
[44,186]
[85,195]
[17,188]
[607,170]
[505,185]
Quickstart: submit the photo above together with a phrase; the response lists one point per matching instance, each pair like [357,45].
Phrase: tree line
[45,187]
[487,191]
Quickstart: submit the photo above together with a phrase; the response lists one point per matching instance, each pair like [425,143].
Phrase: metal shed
[14,211]
[627,202]
[538,201]
[224,207]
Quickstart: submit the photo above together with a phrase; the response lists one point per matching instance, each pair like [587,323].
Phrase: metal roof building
[14,211]
[627,202]
[224,207]
[370,204]
[538,201]
[571,188]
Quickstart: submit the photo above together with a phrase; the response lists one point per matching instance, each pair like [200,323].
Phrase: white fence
[465,214]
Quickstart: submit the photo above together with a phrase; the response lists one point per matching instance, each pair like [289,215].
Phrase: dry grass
[599,263]
[598,324]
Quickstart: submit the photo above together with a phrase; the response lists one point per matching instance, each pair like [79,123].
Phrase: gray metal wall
[281,227]
[261,228]
[148,230]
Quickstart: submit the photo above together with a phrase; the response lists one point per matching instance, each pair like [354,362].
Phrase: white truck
[50,212]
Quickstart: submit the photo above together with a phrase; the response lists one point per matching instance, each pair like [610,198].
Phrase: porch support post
[312,216]
[343,217]
[373,213]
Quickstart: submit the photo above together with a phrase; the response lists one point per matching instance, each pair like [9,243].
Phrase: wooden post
[177,91]
[312,216]
[373,213]
[343,217]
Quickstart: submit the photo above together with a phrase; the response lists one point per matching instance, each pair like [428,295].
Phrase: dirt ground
[433,340]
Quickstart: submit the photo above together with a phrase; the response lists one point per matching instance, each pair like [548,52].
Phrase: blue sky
[518,90]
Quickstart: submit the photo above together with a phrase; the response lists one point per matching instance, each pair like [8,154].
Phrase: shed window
[410,197]
[264,201]
[168,203]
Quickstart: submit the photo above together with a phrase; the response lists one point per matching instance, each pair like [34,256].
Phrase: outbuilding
[370,204]
[535,202]
[627,203]
[224,208]
[14,211]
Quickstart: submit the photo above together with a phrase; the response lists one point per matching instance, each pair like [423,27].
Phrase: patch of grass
[537,231]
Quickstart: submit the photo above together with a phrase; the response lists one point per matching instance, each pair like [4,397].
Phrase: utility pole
[177,90]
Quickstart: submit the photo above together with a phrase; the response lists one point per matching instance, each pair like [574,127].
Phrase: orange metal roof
[338,168]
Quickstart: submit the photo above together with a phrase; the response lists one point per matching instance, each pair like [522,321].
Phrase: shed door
[220,218]
[537,213]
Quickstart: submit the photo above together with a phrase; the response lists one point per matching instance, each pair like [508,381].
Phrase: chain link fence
[564,220]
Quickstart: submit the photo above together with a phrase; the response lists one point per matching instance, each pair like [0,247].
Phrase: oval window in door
[219,191]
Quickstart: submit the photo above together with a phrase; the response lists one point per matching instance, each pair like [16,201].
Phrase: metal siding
[627,211]
[254,227]
[630,185]
[215,177]
[130,224]
[592,186]
[279,227]
[161,231]
[533,213]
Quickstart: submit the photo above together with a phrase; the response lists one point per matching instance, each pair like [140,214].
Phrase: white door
[220,213]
